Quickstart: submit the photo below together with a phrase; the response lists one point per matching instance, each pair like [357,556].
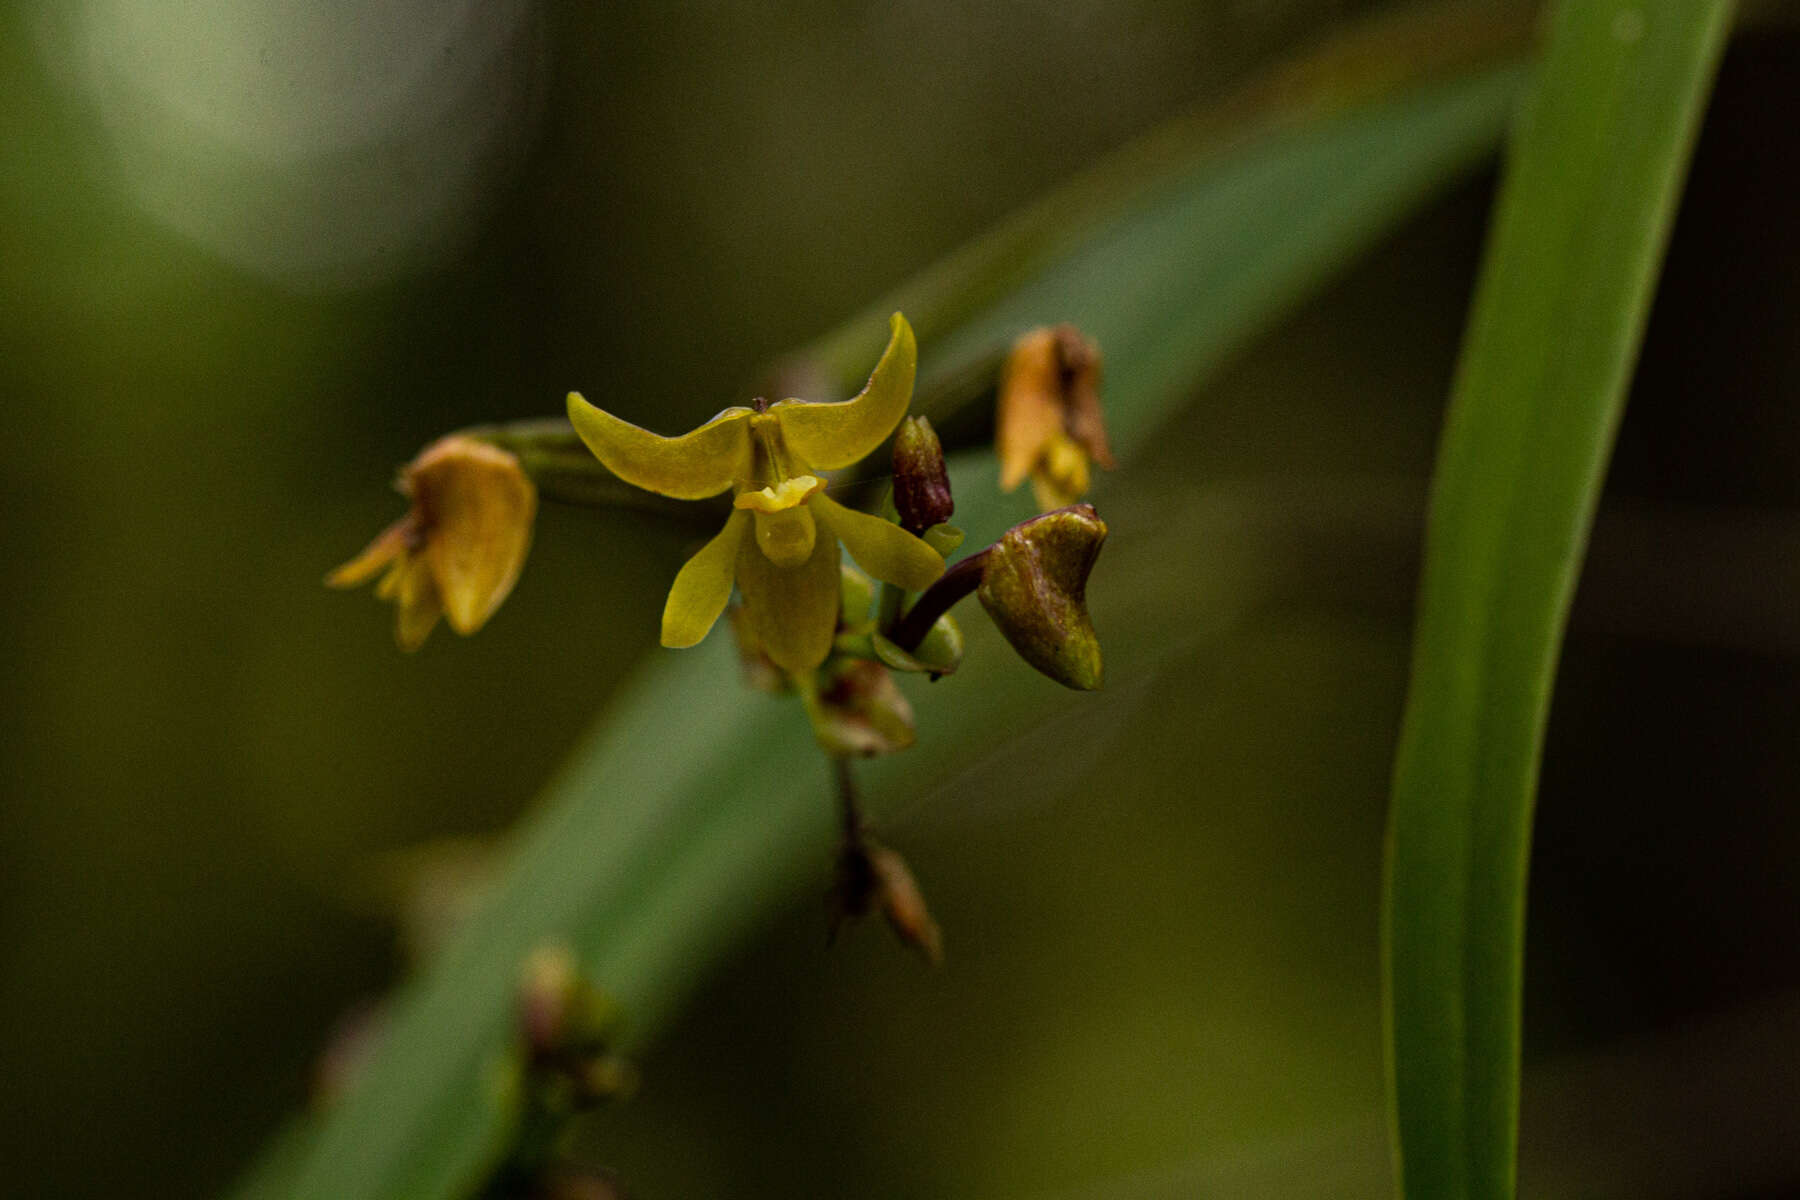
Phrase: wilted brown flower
[1048,424]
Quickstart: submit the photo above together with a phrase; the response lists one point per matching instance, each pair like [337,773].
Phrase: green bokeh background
[1161,915]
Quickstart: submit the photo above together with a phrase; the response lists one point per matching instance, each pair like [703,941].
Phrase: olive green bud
[1034,585]
[921,482]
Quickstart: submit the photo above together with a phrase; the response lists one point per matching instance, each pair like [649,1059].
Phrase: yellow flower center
[784,527]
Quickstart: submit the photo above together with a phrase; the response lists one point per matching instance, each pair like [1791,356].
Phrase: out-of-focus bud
[1048,424]
[859,711]
[567,1027]
[579,1183]
[351,1045]
[459,549]
[1034,586]
[548,991]
[921,481]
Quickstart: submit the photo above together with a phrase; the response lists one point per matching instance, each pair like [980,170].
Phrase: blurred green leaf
[1595,167]
[697,805]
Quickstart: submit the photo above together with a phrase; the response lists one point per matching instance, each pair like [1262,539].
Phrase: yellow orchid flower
[780,544]
[459,549]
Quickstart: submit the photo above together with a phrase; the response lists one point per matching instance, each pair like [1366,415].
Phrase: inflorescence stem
[955,583]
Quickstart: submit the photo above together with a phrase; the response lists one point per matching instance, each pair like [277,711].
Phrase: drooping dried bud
[1048,423]
[903,904]
[870,875]
[921,481]
[1034,586]
[859,711]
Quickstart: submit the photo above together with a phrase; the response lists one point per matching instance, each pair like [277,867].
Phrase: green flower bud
[938,653]
[921,482]
[1034,585]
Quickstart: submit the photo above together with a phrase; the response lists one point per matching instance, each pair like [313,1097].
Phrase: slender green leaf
[696,806]
[1596,163]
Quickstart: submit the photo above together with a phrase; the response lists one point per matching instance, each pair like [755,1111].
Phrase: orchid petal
[827,437]
[418,603]
[703,587]
[794,610]
[695,465]
[482,506]
[884,550]
[388,546]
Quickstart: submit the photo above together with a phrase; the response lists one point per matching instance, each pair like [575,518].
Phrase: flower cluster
[806,621]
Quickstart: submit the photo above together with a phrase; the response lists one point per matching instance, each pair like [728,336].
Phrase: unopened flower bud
[1034,586]
[921,482]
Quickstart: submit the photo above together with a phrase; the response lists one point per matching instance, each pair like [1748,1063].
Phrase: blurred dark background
[253,255]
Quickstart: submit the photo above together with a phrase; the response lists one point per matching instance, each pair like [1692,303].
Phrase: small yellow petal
[830,436]
[389,587]
[695,465]
[481,505]
[885,550]
[1061,476]
[794,610]
[703,587]
[417,603]
[789,493]
[389,545]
